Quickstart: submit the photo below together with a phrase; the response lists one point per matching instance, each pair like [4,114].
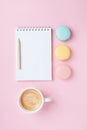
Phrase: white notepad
[35,54]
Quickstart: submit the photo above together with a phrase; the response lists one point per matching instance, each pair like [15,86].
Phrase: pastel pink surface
[68,111]
[63,71]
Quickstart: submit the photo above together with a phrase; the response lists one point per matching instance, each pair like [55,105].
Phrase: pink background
[68,111]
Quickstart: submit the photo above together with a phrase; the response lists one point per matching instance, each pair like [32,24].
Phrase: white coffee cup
[42,98]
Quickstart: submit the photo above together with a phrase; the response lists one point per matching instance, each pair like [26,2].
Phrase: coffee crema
[31,100]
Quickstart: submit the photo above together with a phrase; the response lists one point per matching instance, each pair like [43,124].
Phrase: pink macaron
[63,71]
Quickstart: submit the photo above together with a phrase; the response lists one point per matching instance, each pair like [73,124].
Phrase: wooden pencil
[19,54]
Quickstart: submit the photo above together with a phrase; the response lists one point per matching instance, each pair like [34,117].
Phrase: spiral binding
[33,29]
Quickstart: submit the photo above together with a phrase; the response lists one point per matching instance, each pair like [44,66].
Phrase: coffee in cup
[32,100]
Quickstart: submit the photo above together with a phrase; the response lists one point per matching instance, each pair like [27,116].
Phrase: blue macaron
[63,33]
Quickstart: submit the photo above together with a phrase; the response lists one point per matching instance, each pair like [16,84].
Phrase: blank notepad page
[35,45]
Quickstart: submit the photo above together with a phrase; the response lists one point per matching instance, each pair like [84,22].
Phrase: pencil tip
[19,40]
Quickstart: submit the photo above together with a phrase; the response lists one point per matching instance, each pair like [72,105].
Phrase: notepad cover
[36,54]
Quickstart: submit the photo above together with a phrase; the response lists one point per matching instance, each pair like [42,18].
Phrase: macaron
[63,33]
[63,71]
[62,52]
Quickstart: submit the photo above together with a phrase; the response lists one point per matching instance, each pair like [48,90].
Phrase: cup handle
[47,100]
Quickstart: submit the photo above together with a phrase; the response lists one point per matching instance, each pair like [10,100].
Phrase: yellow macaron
[62,52]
